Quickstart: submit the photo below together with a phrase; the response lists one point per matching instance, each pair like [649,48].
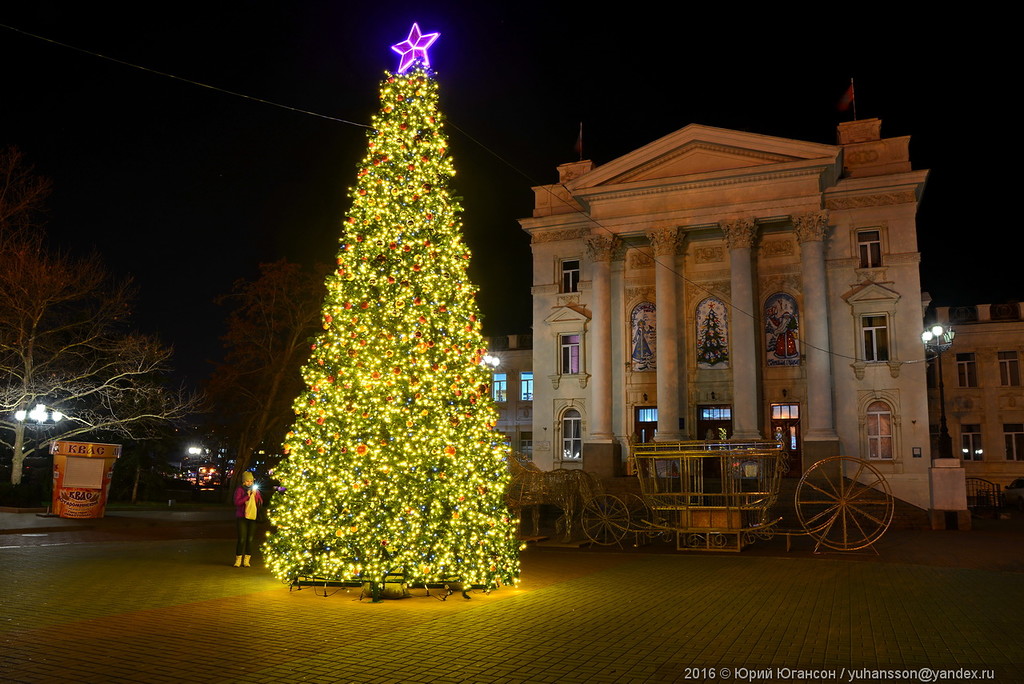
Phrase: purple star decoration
[414,48]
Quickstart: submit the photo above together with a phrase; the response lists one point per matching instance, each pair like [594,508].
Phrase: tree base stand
[393,586]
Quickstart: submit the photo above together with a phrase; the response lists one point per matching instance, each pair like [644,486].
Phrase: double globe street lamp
[937,340]
[40,414]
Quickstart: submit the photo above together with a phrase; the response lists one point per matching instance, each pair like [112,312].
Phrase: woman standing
[247,502]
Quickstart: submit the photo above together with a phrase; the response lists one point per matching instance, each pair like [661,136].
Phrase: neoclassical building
[718,282]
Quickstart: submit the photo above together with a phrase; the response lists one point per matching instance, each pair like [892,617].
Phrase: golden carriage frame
[713,496]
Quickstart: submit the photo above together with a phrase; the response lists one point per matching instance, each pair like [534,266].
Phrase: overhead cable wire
[185,80]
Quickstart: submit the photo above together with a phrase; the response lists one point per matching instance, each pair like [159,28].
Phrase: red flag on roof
[846,101]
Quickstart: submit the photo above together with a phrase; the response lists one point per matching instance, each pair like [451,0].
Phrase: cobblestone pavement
[146,603]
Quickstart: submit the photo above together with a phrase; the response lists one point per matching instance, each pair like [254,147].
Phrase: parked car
[1014,494]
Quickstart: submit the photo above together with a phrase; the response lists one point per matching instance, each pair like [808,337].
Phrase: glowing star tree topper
[414,48]
[393,464]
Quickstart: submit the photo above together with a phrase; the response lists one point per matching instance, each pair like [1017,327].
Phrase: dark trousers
[246,532]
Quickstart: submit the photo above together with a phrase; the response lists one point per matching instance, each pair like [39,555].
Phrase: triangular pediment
[870,291]
[572,313]
[698,150]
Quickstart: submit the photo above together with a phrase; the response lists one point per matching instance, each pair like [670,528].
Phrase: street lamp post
[938,340]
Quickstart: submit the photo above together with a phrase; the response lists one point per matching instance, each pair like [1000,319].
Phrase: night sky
[185,189]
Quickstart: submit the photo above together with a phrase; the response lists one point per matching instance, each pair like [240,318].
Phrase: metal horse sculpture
[566,489]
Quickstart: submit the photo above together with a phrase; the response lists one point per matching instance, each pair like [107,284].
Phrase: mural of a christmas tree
[712,348]
[392,463]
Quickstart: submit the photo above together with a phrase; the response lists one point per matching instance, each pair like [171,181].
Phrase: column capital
[601,247]
[665,241]
[739,233]
[811,227]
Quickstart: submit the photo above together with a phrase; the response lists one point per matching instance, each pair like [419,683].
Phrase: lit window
[1013,434]
[875,330]
[879,429]
[966,370]
[572,435]
[570,354]
[526,445]
[571,275]
[869,243]
[499,386]
[785,411]
[716,413]
[647,415]
[526,386]
[1009,369]
[970,442]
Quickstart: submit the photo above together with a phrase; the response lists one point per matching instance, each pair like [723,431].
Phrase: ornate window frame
[890,398]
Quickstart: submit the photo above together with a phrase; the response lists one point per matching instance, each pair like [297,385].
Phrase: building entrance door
[711,420]
[785,427]
[645,423]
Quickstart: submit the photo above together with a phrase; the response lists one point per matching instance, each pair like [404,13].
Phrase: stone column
[671,379]
[599,249]
[820,438]
[740,235]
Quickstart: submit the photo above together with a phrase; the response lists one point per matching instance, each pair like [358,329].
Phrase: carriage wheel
[605,519]
[844,503]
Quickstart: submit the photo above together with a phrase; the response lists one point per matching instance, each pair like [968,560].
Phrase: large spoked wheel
[605,519]
[844,503]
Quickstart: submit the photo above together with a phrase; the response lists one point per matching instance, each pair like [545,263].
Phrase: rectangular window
[869,243]
[499,387]
[526,445]
[647,415]
[970,442]
[876,338]
[716,413]
[570,354]
[966,369]
[571,275]
[1013,435]
[526,386]
[1009,369]
[785,411]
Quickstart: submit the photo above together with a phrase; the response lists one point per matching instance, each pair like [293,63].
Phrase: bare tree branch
[64,340]
[269,332]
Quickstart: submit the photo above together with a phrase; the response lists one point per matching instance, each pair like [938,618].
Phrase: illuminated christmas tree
[393,465]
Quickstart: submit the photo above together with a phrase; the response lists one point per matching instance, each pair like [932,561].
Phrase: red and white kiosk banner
[81,477]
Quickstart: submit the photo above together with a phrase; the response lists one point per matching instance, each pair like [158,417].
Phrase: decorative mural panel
[782,330]
[643,324]
[712,334]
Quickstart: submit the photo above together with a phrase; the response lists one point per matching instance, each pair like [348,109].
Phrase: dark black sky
[187,189]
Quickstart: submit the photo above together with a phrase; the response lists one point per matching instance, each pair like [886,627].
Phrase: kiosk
[81,477]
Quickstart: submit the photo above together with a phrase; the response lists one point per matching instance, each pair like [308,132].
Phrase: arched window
[572,435]
[879,429]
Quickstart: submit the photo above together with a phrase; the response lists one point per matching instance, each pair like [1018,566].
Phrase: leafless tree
[269,333]
[64,340]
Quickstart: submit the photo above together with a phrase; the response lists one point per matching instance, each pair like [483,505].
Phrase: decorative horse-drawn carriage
[713,495]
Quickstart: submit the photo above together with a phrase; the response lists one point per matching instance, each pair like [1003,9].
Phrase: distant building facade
[512,387]
[723,282]
[981,375]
